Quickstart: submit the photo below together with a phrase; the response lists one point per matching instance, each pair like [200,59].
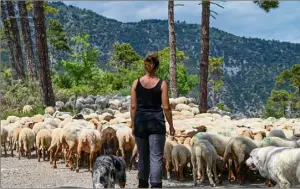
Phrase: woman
[149,104]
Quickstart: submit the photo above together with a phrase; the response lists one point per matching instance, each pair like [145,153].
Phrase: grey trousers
[151,152]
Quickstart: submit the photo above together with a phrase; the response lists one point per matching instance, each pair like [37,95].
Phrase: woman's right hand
[172,130]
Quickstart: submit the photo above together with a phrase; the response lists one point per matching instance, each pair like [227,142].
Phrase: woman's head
[151,63]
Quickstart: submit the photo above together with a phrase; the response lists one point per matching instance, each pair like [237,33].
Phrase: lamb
[238,149]
[26,141]
[126,142]
[43,141]
[278,142]
[89,141]
[109,141]
[247,133]
[276,133]
[203,153]
[181,156]
[283,166]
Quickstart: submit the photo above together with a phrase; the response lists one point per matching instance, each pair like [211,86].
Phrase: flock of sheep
[204,144]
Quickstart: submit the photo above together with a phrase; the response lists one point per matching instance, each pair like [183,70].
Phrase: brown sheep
[109,141]
[97,124]
[260,135]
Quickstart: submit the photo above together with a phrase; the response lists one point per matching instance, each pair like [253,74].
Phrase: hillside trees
[285,101]
[215,77]
[57,39]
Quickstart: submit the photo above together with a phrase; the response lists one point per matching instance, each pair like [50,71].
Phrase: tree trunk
[204,56]
[172,44]
[42,48]
[27,39]
[16,40]
[7,32]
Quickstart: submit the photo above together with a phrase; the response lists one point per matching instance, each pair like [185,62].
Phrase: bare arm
[166,106]
[133,104]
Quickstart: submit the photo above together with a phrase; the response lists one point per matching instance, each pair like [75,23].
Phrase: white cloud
[242,18]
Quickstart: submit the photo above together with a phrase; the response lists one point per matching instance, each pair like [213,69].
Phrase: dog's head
[253,161]
[108,171]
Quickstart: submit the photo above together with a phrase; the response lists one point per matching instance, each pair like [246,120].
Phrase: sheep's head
[247,133]
[187,141]
[201,128]
[268,127]
[180,139]
[258,136]
[29,125]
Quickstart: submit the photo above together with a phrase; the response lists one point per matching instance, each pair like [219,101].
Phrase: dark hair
[153,59]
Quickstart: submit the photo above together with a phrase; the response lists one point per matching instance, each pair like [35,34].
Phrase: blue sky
[242,18]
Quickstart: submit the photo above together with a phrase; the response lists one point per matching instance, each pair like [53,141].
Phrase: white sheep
[126,142]
[276,133]
[43,141]
[181,156]
[219,142]
[26,141]
[204,154]
[89,141]
[278,142]
[55,144]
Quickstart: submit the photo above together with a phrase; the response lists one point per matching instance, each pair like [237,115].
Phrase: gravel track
[29,173]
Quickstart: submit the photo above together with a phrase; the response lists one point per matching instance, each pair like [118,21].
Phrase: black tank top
[149,118]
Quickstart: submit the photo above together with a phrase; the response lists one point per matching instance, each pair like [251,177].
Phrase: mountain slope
[251,65]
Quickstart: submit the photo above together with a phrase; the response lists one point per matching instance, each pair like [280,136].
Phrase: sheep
[15,140]
[126,142]
[278,142]
[247,133]
[134,156]
[49,110]
[26,141]
[12,119]
[89,141]
[43,142]
[55,142]
[276,133]
[109,141]
[259,136]
[203,153]
[219,142]
[4,134]
[37,127]
[238,149]
[181,156]
[69,137]
[96,123]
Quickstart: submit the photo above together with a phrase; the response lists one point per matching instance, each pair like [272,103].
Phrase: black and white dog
[109,170]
